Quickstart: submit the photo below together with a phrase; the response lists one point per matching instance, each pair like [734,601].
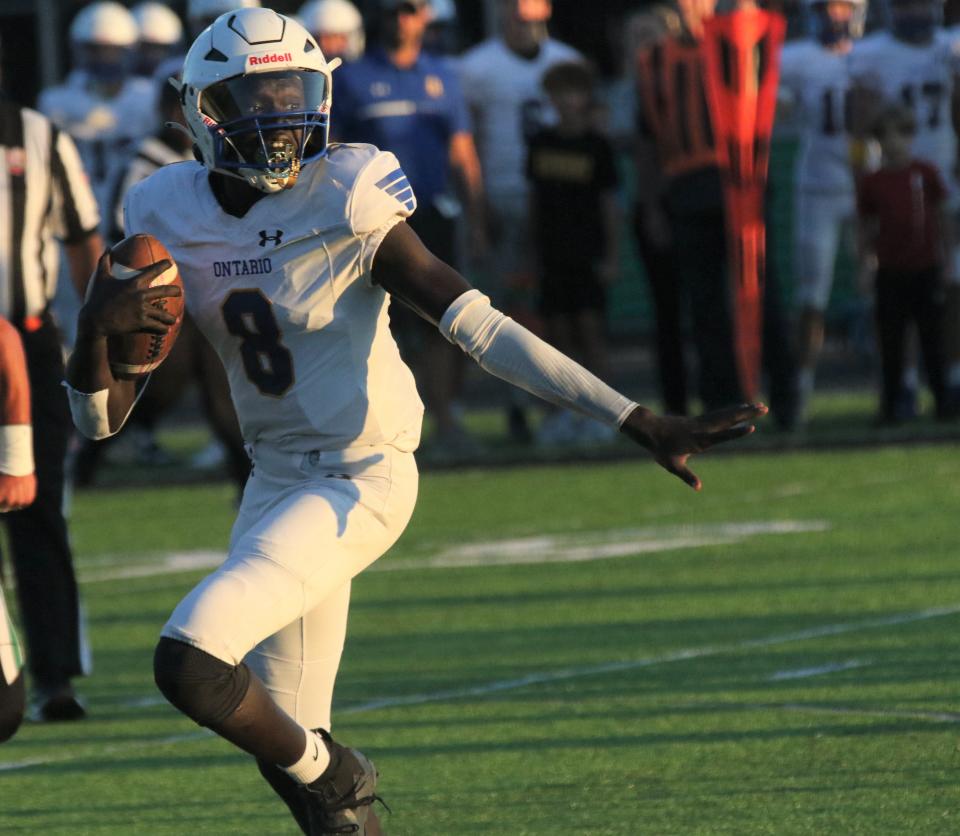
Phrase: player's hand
[672,439]
[17,492]
[119,307]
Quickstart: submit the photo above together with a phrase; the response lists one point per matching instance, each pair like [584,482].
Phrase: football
[134,355]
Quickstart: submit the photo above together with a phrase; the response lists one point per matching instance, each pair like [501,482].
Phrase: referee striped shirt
[44,195]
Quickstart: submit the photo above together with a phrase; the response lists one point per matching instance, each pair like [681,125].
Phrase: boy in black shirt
[575,222]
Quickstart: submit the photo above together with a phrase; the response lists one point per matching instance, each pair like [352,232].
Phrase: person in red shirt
[905,247]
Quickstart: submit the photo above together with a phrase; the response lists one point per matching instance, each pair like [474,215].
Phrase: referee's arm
[79,218]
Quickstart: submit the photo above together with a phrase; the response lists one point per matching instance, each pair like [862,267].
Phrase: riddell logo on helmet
[269,58]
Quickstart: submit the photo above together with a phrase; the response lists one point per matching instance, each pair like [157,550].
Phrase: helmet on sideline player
[201,13]
[160,34]
[915,21]
[234,75]
[102,38]
[337,26]
[833,22]
[443,30]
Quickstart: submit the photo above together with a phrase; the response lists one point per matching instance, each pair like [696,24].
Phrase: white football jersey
[818,83]
[285,297]
[505,94]
[106,131]
[920,76]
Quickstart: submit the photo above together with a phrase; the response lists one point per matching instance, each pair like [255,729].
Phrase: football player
[290,251]
[337,27]
[100,104]
[915,61]
[18,488]
[815,86]
[160,33]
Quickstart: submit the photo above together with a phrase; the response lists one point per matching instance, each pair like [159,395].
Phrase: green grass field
[589,648]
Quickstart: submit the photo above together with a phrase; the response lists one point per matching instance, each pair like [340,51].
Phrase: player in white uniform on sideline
[501,79]
[290,251]
[337,27]
[104,108]
[160,34]
[916,61]
[814,86]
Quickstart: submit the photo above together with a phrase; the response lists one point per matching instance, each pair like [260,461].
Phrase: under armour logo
[275,238]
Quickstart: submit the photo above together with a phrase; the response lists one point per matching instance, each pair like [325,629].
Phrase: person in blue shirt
[408,101]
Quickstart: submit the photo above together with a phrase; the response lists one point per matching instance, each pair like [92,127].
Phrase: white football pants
[818,222]
[308,523]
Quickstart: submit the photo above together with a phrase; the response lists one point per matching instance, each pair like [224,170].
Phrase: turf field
[566,649]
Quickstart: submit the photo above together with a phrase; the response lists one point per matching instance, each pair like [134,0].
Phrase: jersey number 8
[248,314]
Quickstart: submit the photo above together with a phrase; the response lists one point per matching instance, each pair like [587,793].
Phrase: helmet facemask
[835,22]
[265,126]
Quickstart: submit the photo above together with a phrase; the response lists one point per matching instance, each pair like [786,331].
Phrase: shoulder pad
[380,192]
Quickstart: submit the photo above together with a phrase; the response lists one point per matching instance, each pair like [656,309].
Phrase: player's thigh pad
[303,532]
[818,221]
[299,663]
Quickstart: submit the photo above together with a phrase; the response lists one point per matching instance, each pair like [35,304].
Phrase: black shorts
[571,291]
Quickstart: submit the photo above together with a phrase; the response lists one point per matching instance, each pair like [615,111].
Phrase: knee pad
[13,704]
[203,687]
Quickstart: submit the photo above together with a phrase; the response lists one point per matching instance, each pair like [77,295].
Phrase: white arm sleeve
[90,412]
[511,352]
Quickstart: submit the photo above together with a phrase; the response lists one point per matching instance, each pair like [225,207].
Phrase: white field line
[806,673]
[893,713]
[561,548]
[546,677]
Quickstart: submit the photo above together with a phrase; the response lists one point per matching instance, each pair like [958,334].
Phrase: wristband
[16,449]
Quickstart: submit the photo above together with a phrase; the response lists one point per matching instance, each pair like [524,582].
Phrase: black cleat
[340,799]
[57,705]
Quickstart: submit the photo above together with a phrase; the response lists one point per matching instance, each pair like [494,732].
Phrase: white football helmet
[158,24]
[337,18]
[256,95]
[201,13]
[102,37]
[105,24]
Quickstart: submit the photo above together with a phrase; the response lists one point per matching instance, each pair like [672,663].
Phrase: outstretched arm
[405,268]
[99,402]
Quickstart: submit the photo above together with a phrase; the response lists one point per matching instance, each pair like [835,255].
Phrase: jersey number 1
[268,363]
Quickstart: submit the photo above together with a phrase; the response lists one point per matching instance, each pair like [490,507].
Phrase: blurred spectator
[404,100]
[650,224]
[905,236]
[45,196]
[682,202]
[681,199]
[337,26]
[575,220]
[502,82]
[101,104]
[915,63]
[201,13]
[161,33]
[814,90]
